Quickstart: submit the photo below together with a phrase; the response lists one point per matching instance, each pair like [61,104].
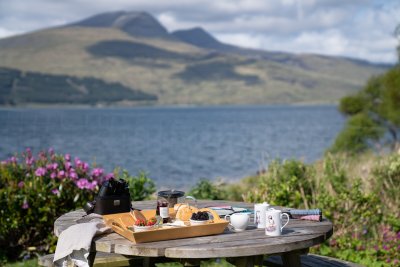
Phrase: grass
[26,263]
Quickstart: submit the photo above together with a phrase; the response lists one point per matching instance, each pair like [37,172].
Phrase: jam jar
[165,200]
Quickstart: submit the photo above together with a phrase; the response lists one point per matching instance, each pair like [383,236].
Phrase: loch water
[175,145]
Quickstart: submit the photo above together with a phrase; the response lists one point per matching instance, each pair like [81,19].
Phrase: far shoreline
[163,106]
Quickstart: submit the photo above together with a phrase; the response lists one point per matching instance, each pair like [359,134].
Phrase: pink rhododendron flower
[78,162]
[85,184]
[13,160]
[40,171]
[67,157]
[85,167]
[91,186]
[29,161]
[28,152]
[72,174]
[53,175]
[67,165]
[55,191]
[82,183]
[49,167]
[109,176]
[25,205]
[42,155]
[21,184]
[61,174]
[51,151]
[97,172]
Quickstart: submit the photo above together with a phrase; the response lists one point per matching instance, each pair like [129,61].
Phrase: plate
[227,210]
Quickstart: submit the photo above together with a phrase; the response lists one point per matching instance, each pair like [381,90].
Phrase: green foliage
[351,105]
[140,187]
[373,111]
[357,135]
[204,189]
[285,183]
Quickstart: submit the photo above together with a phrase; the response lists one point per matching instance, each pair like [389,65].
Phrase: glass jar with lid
[167,199]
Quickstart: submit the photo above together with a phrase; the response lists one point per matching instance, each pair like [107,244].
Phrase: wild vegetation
[358,194]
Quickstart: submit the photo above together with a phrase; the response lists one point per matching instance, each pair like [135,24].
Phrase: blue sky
[353,28]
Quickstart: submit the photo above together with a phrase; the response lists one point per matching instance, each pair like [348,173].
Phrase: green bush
[140,187]
[204,189]
[34,191]
[286,183]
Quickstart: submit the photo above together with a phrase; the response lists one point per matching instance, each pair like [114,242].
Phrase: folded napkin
[74,243]
[312,215]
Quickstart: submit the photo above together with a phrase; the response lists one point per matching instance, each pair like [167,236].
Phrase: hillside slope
[20,88]
[133,49]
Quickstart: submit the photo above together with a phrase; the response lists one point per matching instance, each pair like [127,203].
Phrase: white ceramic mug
[239,221]
[259,214]
[273,225]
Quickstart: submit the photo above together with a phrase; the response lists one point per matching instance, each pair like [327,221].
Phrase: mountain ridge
[135,23]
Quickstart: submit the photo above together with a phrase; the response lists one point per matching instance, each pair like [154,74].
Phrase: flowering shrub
[34,191]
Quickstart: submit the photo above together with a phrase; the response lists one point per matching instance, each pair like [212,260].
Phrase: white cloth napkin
[74,243]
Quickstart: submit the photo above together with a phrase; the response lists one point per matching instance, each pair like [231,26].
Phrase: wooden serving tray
[120,222]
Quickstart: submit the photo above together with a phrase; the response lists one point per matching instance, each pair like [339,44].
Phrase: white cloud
[6,33]
[242,39]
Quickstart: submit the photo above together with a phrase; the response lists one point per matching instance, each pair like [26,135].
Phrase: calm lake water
[176,146]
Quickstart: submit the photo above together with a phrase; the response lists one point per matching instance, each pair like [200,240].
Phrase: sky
[352,28]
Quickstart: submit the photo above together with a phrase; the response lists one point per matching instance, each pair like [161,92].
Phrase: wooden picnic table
[240,248]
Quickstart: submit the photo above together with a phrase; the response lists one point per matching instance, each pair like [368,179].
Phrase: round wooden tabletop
[297,235]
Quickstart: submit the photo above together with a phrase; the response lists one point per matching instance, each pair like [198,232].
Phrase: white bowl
[143,228]
[196,222]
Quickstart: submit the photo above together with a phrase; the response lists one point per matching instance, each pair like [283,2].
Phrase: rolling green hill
[187,67]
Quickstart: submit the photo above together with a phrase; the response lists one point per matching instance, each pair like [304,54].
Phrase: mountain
[132,23]
[133,50]
[200,38]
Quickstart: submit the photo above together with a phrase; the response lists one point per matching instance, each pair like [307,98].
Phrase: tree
[374,112]
[374,115]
